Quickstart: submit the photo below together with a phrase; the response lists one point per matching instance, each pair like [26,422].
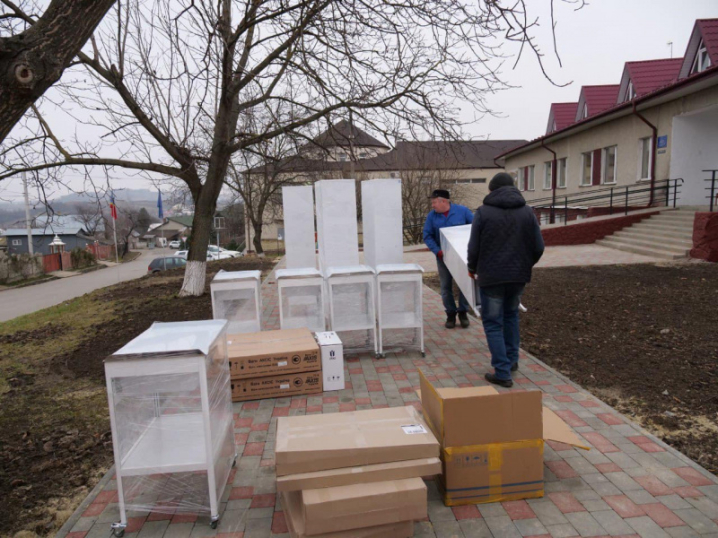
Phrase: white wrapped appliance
[236,298]
[400,306]
[352,310]
[382,222]
[299,241]
[301,299]
[336,223]
[171,416]
[455,245]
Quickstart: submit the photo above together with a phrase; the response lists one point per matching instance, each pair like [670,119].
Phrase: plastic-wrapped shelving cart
[301,299]
[400,306]
[236,298]
[171,416]
[352,309]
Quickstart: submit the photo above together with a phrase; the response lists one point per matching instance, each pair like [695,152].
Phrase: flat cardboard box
[272,353]
[364,474]
[293,514]
[363,505]
[337,440]
[277,386]
[492,443]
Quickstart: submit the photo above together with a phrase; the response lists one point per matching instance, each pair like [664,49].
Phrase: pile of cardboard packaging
[356,474]
[274,364]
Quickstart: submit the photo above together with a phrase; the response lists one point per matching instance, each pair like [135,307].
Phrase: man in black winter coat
[504,246]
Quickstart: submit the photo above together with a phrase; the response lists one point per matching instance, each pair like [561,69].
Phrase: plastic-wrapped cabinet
[298,208]
[400,306]
[455,244]
[352,311]
[171,416]
[381,222]
[337,223]
[301,299]
[236,298]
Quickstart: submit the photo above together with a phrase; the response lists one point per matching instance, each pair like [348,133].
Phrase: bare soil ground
[643,338]
[55,441]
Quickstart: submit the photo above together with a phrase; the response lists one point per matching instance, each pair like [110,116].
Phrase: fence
[19,266]
[101,252]
[52,262]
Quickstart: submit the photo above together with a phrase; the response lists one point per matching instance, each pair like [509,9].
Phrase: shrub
[82,258]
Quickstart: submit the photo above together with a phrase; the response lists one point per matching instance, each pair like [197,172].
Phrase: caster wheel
[234,464]
[118,533]
[213,525]
[423,354]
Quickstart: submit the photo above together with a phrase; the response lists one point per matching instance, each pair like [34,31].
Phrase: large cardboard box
[272,353]
[364,474]
[294,516]
[332,352]
[276,386]
[492,443]
[336,440]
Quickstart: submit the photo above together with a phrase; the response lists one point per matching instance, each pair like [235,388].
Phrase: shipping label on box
[332,352]
[278,386]
[272,353]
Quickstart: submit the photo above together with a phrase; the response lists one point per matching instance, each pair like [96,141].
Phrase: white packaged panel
[332,351]
[171,416]
[298,207]
[336,223]
[455,244]
[382,221]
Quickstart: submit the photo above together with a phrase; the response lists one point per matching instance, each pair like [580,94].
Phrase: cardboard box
[336,440]
[492,443]
[365,474]
[363,505]
[277,386]
[272,353]
[332,352]
[293,514]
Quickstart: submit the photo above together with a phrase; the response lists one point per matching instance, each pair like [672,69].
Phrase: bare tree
[128,221]
[180,89]
[33,59]
[91,217]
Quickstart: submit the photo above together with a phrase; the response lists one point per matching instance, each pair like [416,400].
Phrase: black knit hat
[502,179]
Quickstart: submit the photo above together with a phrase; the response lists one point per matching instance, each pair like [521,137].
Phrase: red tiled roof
[709,29]
[600,98]
[564,114]
[653,74]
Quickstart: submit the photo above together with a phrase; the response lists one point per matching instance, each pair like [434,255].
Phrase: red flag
[113,207]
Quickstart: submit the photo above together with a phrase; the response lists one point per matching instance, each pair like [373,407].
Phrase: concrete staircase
[668,235]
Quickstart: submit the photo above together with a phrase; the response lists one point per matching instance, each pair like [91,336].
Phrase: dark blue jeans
[500,316]
[447,293]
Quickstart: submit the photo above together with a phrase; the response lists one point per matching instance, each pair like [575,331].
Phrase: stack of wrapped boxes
[274,364]
[355,474]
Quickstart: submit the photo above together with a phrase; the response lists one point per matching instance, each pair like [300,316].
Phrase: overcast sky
[593,44]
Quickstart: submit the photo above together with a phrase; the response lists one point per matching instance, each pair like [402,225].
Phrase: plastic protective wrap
[400,307]
[455,244]
[171,415]
[298,207]
[381,222]
[352,307]
[337,223]
[301,299]
[236,298]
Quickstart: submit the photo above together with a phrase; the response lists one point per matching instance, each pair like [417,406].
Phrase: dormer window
[584,112]
[702,60]
[553,127]
[631,91]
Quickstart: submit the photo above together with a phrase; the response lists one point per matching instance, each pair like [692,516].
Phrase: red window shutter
[596,167]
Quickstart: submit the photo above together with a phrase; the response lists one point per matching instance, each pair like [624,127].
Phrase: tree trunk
[196,268]
[34,60]
[257,239]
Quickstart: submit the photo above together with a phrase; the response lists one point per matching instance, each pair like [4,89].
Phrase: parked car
[212,256]
[182,254]
[214,249]
[175,244]
[163,264]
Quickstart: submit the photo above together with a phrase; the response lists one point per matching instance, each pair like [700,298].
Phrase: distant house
[72,236]
[173,228]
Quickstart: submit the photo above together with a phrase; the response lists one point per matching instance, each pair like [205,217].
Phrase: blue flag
[160,213]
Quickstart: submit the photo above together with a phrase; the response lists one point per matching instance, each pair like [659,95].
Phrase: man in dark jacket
[504,246]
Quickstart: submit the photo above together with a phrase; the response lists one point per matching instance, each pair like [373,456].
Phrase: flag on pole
[113,207]
[160,213]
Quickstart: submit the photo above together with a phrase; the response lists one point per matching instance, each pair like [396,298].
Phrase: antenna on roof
[670,44]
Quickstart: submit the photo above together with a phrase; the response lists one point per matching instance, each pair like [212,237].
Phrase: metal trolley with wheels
[171,416]
[301,299]
[400,307]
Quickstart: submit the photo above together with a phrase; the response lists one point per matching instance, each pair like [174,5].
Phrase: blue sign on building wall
[663,141]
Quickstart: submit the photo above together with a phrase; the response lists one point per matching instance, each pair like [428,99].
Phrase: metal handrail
[713,188]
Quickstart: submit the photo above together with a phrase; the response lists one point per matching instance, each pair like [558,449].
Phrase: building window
[547,175]
[586,168]
[545,218]
[645,148]
[630,92]
[474,180]
[584,112]
[342,156]
[702,61]
[16,242]
[363,155]
[562,173]
[609,165]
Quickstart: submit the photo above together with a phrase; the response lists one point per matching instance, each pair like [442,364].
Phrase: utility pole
[30,248]
[670,44]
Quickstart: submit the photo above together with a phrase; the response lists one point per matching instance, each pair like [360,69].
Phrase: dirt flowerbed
[55,441]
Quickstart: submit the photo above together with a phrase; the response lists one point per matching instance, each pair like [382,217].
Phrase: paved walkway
[629,484]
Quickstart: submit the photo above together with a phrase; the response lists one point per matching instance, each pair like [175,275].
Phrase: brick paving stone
[693,477]
[530,527]
[469,511]
[697,520]
[646,527]
[662,515]
[612,522]
[565,530]
[585,524]
[624,506]
[502,526]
